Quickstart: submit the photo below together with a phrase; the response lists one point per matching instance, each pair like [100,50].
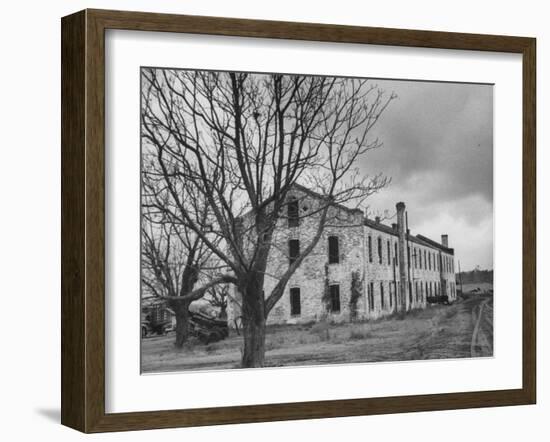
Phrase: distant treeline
[475,276]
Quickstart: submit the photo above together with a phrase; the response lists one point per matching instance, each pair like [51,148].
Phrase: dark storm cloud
[438,150]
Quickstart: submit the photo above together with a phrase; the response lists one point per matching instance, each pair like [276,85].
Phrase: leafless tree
[243,141]
[217,297]
[174,259]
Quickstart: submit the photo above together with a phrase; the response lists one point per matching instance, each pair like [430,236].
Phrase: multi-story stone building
[359,269]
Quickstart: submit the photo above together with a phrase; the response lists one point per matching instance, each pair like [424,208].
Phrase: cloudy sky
[438,150]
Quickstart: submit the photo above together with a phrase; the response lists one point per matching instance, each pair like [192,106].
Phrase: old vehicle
[207,329]
[155,320]
[439,299]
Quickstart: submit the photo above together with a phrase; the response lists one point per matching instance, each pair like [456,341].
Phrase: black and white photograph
[299,220]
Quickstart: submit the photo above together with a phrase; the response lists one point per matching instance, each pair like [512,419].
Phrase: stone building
[359,269]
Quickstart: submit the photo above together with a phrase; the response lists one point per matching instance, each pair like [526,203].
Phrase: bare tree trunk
[254,342]
[181,309]
[253,325]
[223,312]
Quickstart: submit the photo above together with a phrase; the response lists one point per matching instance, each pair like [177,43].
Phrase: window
[410,293]
[415,260]
[333,250]
[293,250]
[389,253]
[379,250]
[371,296]
[335,298]
[382,295]
[429,261]
[425,261]
[370,248]
[408,257]
[391,289]
[295,305]
[395,253]
[293,214]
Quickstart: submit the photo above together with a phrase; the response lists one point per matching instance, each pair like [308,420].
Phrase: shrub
[321,329]
[358,335]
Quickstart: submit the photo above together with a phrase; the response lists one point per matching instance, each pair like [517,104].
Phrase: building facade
[359,269]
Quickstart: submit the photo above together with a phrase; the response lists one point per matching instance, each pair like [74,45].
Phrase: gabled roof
[317,195]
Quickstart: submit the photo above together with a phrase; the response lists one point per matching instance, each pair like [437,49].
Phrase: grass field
[434,333]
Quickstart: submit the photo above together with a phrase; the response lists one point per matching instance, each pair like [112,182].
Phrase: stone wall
[377,267]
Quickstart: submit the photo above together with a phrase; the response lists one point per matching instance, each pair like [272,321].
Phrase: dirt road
[461,330]
[482,336]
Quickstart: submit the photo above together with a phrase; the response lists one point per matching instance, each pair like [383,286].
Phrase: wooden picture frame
[83,220]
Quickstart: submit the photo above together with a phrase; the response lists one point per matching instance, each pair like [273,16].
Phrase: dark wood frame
[83,216]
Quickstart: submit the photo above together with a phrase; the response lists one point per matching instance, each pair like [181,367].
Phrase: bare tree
[243,142]
[217,297]
[174,259]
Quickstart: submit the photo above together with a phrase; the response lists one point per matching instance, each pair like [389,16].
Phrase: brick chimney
[402,256]
[377,220]
[445,240]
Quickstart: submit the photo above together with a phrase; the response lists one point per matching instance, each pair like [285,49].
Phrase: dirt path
[437,332]
[482,336]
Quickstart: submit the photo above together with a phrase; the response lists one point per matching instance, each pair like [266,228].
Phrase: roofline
[418,239]
[318,195]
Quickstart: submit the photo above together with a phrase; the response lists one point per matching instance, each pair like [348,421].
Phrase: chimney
[394,226]
[401,256]
[445,240]
[377,220]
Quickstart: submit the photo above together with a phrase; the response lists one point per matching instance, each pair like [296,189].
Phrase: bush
[360,332]
[358,335]
[321,329]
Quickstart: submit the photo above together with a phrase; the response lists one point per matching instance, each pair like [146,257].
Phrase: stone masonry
[360,268]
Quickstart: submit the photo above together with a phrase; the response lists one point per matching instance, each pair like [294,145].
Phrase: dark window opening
[335,298]
[295,305]
[379,250]
[371,296]
[293,250]
[333,250]
[370,248]
[389,253]
[382,295]
[425,261]
[293,214]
